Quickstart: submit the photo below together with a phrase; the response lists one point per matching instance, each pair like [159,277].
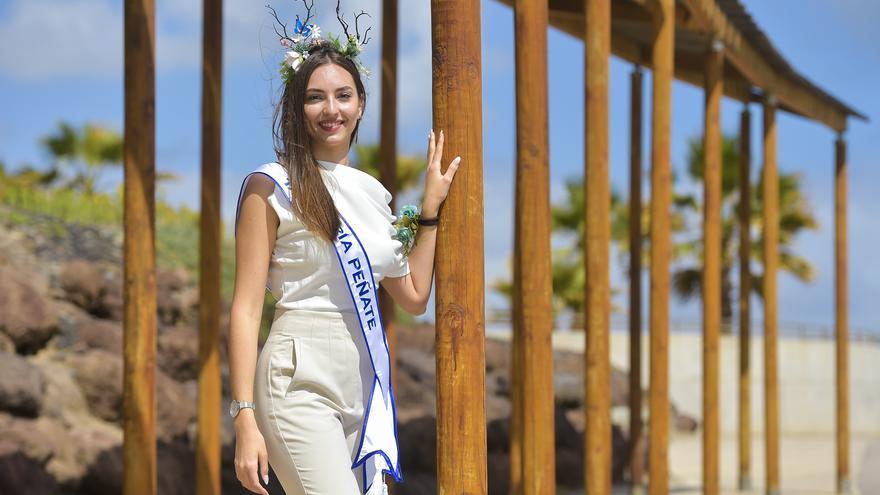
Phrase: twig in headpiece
[308,11]
[357,34]
[283,35]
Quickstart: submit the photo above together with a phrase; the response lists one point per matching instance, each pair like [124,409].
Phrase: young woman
[316,403]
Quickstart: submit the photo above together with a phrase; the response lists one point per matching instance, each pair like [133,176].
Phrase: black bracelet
[429,221]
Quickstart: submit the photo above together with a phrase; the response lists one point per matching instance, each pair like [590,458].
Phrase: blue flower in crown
[306,30]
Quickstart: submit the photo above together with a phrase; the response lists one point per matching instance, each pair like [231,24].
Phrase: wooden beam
[841,324]
[771,263]
[636,451]
[388,156]
[533,288]
[688,66]
[745,290]
[740,53]
[662,57]
[705,16]
[139,251]
[711,284]
[597,371]
[460,305]
[210,239]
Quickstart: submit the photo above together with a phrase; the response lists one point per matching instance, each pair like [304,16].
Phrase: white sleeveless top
[304,271]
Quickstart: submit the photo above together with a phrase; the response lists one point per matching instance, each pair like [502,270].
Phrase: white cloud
[42,39]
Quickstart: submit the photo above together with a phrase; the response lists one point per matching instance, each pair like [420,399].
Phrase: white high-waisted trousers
[309,395]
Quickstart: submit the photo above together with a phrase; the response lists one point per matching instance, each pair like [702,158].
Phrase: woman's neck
[335,155]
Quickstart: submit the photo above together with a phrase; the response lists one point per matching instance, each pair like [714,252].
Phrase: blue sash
[378,447]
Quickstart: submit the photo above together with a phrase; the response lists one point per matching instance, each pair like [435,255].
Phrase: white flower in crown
[294,59]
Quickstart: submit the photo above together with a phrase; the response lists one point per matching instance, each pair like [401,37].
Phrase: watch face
[233,408]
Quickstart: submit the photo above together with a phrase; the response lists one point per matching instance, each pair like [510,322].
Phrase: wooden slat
[841,317]
[711,284]
[745,290]
[388,162]
[662,58]
[139,262]
[636,452]
[771,263]
[597,379]
[210,239]
[532,305]
[460,286]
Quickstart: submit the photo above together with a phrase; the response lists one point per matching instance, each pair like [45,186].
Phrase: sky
[61,60]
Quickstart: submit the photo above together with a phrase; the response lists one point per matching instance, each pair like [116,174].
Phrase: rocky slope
[61,378]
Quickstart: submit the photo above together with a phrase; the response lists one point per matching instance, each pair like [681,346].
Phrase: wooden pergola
[713,44]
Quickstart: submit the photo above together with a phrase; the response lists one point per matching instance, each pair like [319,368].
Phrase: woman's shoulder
[269,172]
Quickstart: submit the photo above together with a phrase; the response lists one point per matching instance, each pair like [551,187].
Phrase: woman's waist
[307,323]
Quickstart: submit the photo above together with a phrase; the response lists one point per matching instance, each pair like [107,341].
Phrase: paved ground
[807,466]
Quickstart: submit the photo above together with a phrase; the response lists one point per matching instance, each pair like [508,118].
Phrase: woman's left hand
[437,183]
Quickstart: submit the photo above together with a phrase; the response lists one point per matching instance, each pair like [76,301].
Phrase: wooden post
[532,445]
[597,375]
[139,263]
[840,309]
[388,150]
[210,238]
[662,56]
[745,288]
[771,257]
[460,305]
[711,283]
[635,281]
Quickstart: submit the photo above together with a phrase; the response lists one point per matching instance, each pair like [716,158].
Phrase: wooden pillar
[711,283]
[388,151]
[635,281]
[597,375]
[210,239]
[532,445]
[745,288]
[771,262]
[840,309]
[460,305]
[662,56]
[139,262]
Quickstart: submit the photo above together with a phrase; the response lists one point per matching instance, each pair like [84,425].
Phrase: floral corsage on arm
[407,225]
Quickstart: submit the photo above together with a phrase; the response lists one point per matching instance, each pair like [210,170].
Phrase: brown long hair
[311,201]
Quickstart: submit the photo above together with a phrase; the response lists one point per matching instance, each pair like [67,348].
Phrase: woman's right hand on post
[251,459]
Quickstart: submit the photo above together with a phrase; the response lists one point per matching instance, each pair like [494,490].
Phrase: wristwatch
[236,406]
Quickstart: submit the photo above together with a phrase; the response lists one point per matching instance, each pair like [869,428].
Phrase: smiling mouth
[330,126]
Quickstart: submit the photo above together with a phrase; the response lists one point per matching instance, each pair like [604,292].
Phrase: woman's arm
[412,291]
[257,228]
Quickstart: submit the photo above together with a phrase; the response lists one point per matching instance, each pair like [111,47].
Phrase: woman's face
[332,107]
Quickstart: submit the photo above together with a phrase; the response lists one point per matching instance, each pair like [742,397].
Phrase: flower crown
[307,36]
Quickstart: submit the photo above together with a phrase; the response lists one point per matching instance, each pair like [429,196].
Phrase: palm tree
[568,262]
[409,168]
[795,215]
[87,150]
